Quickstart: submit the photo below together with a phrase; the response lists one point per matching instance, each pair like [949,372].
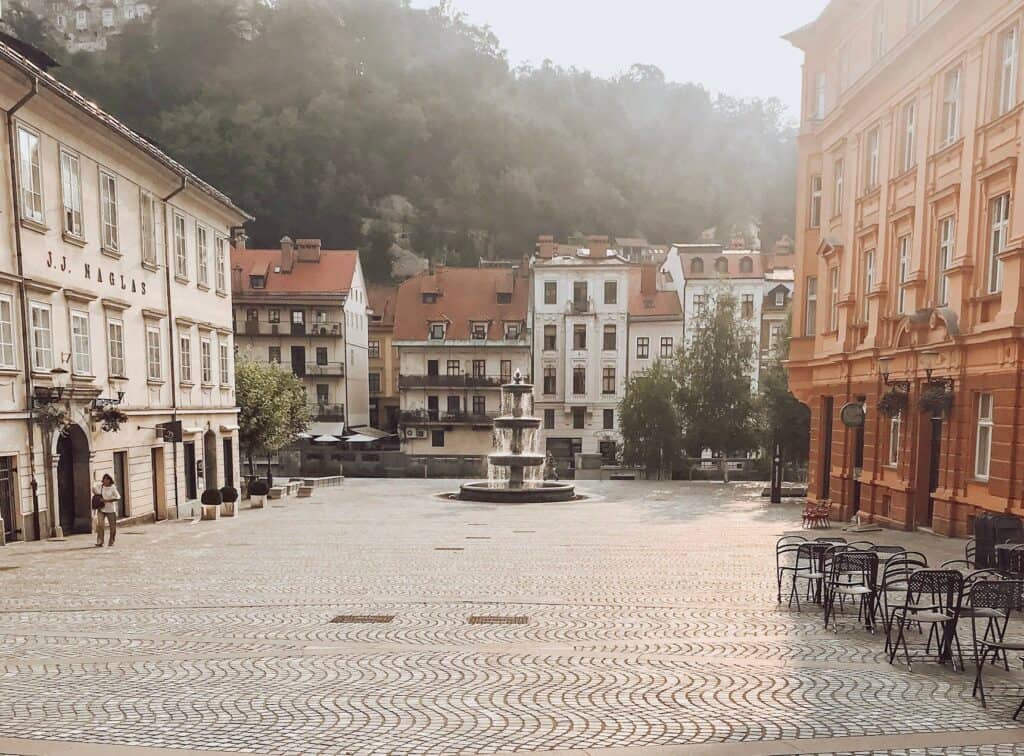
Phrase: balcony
[579,306]
[454,381]
[336,369]
[440,417]
[324,328]
[265,328]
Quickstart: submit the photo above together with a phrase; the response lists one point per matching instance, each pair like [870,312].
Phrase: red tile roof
[382,299]
[463,296]
[331,275]
[646,302]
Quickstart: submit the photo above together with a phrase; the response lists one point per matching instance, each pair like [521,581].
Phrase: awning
[359,438]
[228,428]
[326,429]
[326,440]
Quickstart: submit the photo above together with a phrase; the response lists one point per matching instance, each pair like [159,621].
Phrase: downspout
[172,378]
[26,353]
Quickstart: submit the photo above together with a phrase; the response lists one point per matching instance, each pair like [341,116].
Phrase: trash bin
[990,529]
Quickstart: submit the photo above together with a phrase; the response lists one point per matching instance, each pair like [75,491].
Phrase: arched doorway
[73,481]
[210,460]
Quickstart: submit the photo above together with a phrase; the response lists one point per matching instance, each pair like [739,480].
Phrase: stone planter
[210,511]
[228,509]
[257,502]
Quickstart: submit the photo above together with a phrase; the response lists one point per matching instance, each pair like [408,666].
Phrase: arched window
[696,265]
[721,265]
[746,265]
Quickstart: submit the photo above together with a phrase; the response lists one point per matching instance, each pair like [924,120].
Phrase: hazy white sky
[730,46]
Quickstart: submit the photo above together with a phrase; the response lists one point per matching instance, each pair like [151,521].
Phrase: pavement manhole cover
[362,619]
[485,619]
[449,548]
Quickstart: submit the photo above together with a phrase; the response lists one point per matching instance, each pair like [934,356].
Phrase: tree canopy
[786,420]
[311,114]
[273,408]
[649,420]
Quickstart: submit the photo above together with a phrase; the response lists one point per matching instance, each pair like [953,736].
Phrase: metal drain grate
[362,619]
[449,548]
[7,568]
[478,538]
[484,619]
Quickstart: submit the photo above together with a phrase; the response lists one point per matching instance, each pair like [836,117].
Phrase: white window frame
[838,179]
[202,255]
[833,304]
[81,342]
[819,95]
[219,273]
[983,437]
[999,215]
[815,209]
[895,434]
[869,281]
[1009,55]
[206,360]
[224,362]
[110,238]
[42,335]
[872,154]
[180,246]
[154,354]
[152,224]
[909,136]
[811,306]
[185,357]
[71,193]
[30,174]
[904,246]
[947,249]
[8,357]
[950,124]
[115,347]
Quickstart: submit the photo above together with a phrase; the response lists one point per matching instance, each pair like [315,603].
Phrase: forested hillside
[312,114]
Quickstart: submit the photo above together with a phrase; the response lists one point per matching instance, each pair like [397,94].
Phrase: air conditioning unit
[323,330]
[410,432]
[421,432]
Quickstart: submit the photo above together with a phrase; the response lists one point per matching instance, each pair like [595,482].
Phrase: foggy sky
[729,46]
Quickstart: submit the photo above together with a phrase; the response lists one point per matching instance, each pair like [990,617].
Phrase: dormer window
[429,297]
[504,298]
[696,265]
[511,332]
[746,265]
[437,331]
[721,265]
[478,331]
[780,299]
[258,282]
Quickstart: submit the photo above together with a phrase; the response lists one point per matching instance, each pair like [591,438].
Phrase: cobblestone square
[641,617]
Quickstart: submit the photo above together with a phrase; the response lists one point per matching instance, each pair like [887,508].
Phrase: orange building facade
[910,259]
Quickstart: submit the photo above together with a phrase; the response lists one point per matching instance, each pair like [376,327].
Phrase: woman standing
[108,514]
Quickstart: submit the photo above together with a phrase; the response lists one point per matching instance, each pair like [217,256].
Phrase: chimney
[546,247]
[236,278]
[238,237]
[598,245]
[308,250]
[287,254]
[648,279]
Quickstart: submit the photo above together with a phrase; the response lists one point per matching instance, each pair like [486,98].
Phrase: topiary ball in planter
[229,495]
[211,496]
[258,488]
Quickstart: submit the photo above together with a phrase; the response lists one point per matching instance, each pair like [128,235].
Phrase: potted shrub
[936,399]
[211,501]
[229,496]
[258,490]
[892,403]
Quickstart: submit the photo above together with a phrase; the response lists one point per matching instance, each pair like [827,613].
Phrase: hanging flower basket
[892,403]
[110,418]
[936,399]
[53,417]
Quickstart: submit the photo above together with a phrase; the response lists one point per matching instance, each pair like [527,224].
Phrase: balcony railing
[442,417]
[463,380]
[265,328]
[324,328]
[325,368]
[579,306]
[328,411]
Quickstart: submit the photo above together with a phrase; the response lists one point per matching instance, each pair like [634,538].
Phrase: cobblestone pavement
[650,620]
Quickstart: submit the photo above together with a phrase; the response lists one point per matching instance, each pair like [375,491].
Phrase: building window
[643,347]
[224,363]
[479,368]
[579,336]
[815,220]
[185,357]
[609,420]
[549,380]
[206,360]
[871,156]
[437,331]
[819,95]
[373,347]
[579,295]
[42,336]
[747,306]
[202,256]
[437,439]
[608,380]
[154,368]
[1009,55]
[895,425]
[219,275]
[549,419]
[152,229]
[774,333]
[721,265]
[666,346]
[696,265]
[181,250]
[479,406]
[610,338]
[478,331]
[869,281]
[71,192]
[81,20]
[579,418]
[700,302]
[6,332]
[909,136]
[579,380]
[81,350]
[108,17]
[983,452]
[780,298]
[374,383]
[1000,210]
[611,292]
[947,239]
[903,273]
[811,313]
[108,210]
[273,315]
[878,33]
[550,338]
[550,292]
[837,187]
[453,367]
[950,126]
[274,354]
[746,265]
[428,297]
[323,394]
[511,332]
[30,176]
[505,369]
[321,356]
[833,302]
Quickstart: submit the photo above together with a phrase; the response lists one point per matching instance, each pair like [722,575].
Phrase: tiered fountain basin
[546,492]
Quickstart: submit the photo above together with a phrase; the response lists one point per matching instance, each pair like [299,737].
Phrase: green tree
[375,253]
[786,421]
[649,420]
[273,408]
[716,404]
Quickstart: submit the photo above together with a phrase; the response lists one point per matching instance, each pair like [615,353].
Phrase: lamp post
[55,394]
[929,360]
[885,370]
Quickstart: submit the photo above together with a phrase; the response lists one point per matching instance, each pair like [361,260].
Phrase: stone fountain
[515,470]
